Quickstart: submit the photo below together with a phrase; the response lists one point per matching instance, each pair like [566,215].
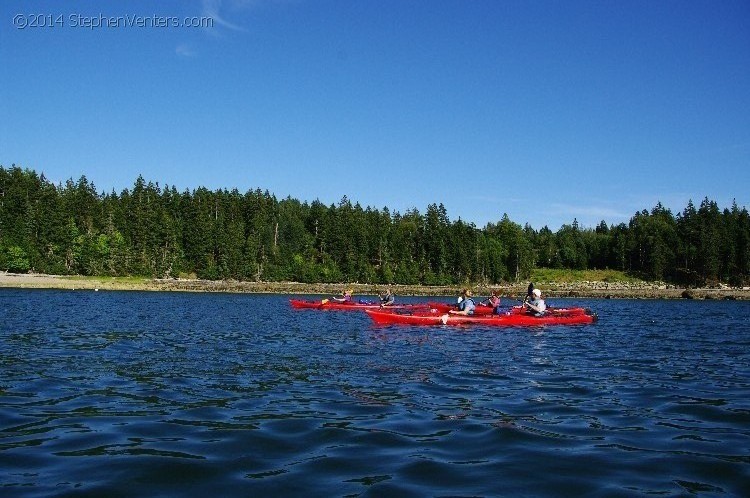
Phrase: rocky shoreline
[551,289]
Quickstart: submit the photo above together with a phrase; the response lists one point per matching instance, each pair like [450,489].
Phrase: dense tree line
[152,230]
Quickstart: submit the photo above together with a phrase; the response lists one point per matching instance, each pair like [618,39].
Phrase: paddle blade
[444,319]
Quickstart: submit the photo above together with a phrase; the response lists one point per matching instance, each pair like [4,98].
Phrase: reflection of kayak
[327,304]
[507,320]
[483,309]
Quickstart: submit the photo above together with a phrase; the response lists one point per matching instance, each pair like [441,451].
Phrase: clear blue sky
[544,110]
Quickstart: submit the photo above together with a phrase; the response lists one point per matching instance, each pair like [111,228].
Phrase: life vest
[462,304]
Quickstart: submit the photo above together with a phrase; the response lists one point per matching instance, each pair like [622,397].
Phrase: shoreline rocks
[605,290]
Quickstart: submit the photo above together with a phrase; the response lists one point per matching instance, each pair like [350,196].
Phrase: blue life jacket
[462,305]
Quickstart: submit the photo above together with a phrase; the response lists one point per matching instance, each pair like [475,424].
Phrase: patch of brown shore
[550,289]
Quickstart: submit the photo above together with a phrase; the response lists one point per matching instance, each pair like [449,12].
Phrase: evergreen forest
[158,231]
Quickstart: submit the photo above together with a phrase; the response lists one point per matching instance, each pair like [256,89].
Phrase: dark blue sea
[135,394]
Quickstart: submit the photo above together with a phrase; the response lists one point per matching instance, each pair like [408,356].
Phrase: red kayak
[508,320]
[483,309]
[328,304]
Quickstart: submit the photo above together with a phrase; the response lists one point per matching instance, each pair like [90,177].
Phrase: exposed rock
[608,290]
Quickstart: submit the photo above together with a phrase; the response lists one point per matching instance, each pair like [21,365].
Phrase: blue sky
[544,110]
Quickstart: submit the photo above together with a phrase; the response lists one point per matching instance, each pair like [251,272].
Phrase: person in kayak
[387,298]
[494,302]
[465,304]
[346,297]
[536,306]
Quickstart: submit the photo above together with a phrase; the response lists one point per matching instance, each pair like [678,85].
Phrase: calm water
[173,394]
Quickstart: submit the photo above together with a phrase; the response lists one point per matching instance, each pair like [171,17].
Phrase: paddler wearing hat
[536,306]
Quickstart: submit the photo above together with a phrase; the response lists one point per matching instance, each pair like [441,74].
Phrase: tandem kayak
[483,309]
[327,304]
[384,317]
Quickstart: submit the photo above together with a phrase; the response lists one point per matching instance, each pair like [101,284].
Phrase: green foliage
[15,260]
[155,231]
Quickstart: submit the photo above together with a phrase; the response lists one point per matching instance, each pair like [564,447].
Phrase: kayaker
[494,302]
[466,304]
[346,297]
[536,306]
[387,298]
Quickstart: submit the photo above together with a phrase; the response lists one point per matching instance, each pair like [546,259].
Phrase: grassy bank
[582,276]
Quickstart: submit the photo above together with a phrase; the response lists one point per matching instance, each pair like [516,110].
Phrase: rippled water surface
[176,394]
